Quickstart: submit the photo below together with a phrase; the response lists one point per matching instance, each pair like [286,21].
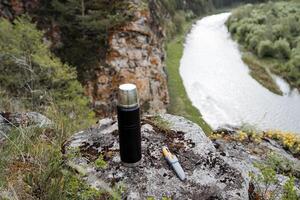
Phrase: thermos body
[129,134]
[129,123]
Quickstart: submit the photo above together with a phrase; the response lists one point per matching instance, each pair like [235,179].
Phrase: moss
[160,123]
[100,163]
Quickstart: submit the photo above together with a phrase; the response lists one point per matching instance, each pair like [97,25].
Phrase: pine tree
[84,26]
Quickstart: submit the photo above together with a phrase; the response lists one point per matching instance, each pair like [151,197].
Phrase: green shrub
[265,49]
[263,182]
[270,30]
[32,76]
[29,71]
[242,31]
[282,48]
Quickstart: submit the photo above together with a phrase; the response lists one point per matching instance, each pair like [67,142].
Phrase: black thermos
[129,124]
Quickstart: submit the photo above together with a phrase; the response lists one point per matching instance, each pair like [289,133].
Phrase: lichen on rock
[209,176]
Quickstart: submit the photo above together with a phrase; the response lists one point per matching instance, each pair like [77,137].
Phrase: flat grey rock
[209,176]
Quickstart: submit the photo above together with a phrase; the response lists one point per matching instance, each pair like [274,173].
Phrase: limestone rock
[243,155]
[136,55]
[209,176]
[9,120]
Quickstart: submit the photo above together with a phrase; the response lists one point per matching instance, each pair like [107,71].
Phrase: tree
[84,26]
[31,73]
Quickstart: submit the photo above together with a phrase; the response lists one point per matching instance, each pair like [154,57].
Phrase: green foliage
[45,172]
[100,163]
[159,122]
[289,192]
[36,78]
[179,20]
[271,30]
[84,26]
[30,72]
[280,164]
[33,78]
[265,49]
[282,48]
[68,186]
[266,184]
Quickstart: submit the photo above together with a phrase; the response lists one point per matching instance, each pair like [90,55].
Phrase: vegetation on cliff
[32,78]
[270,32]
[83,26]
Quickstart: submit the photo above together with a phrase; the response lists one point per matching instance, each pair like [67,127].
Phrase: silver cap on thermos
[128,97]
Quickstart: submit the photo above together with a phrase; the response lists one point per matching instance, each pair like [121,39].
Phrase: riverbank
[268,35]
[260,71]
[180,104]
[218,82]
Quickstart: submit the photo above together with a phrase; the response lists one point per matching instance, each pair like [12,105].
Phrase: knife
[173,161]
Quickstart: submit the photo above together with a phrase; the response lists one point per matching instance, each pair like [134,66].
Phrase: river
[219,85]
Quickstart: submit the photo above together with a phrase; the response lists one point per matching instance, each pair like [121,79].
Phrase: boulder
[209,175]
[9,120]
[244,154]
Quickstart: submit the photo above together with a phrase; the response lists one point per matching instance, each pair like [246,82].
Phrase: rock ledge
[209,176]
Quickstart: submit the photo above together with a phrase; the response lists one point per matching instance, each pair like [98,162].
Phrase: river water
[219,85]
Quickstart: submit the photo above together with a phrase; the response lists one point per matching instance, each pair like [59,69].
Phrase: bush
[267,185]
[265,49]
[34,77]
[253,43]
[282,48]
[32,74]
[270,30]
[242,31]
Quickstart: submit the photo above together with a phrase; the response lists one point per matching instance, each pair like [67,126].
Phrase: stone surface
[135,55]
[243,155]
[9,120]
[209,175]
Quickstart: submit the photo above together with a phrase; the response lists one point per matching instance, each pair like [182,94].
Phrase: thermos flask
[129,123]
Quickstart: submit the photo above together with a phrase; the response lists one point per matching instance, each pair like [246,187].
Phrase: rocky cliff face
[135,55]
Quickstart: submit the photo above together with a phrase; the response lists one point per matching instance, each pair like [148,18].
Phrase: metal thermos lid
[128,97]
